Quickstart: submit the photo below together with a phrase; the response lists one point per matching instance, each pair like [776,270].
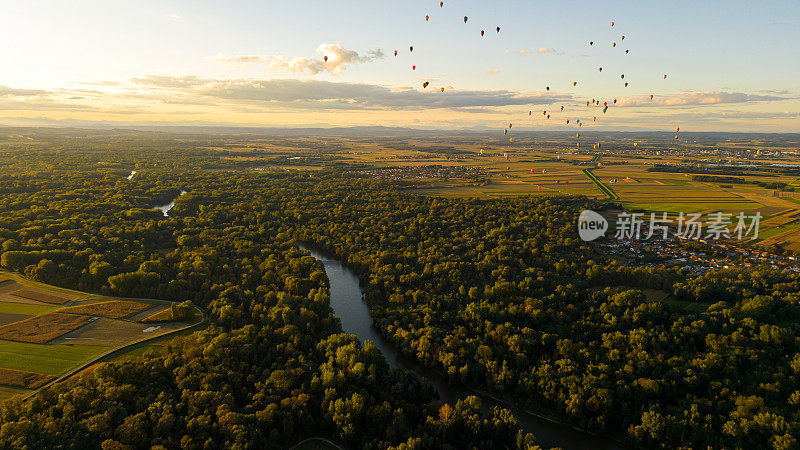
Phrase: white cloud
[176,18]
[698,99]
[338,60]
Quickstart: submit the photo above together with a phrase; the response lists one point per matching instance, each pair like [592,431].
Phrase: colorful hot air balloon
[425,84]
[562,108]
[505,132]
[626,84]
[614,44]
[587,102]
[413,67]
[612,24]
[442,89]
[567,121]
[530,112]
[605,103]
[651,96]
[626,51]
[481,33]
[411,49]
[441,4]
[665,76]
[533,171]
[510,125]
[548,116]
[465,19]
[615,100]
[605,109]
[544,113]
[427,17]
[548,88]
[498,29]
[622,76]
[601,69]
[577,135]
[574,83]
[591,42]
[325,58]
[395,53]
[594,119]
[511,140]
[623,38]
[677,130]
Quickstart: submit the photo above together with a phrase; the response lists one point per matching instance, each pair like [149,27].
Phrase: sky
[730,65]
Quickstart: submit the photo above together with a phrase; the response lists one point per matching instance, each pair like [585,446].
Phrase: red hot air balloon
[481,33]
[395,53]
[651,96]
[325,59]
[413,67]
[612,24]
[427,18]
[441,4]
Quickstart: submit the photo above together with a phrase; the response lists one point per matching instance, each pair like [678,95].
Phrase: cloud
[176,18]
[698,99]
[492,72]
[338,59]
[6,91]
[322,95]
[544,50]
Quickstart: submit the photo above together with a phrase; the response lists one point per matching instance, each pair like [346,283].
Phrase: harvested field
[6,318]
[44,328]
[40,296]
[22,379]
[114,309]
[161,316]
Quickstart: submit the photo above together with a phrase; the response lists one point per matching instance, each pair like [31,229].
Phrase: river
[165,209]
[346,299]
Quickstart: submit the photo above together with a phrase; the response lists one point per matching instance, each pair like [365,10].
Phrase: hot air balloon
[562,108]
[548,116]
[677,130]
[614,44]
[567,121]
[665,76]
[623,38]
[395,53]
[413,67]
[505,132]
[622,76]
[574,83]
[591,42]
[605,103]
[635,144]
[544,113]
[587,102]
[442,89]
[626,51]
[601,69]
[441,4]
[425,84]
[427,18]
[612,24]
[411,49]
[615,100]
[325,58]
[530,112]
[580,124]
[577,135]
[465,19]
[533,171]
[605,109]
[498,29]
[512,141]
[548,88]
[626,84]
[594,119]
[676,138]
[539,187]
[510,125]
[651,96]
[481,33]
[566,182]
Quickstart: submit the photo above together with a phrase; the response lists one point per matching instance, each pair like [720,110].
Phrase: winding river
[347,302]
[165,209]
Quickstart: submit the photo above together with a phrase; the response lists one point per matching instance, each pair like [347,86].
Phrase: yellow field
[41,329]
[114,309]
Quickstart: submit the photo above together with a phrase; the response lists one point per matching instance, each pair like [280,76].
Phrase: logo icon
[591,225]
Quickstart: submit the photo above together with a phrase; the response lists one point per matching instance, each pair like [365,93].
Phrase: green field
[25,308]
[46,359]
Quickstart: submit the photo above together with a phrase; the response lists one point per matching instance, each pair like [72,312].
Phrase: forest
[498,294]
